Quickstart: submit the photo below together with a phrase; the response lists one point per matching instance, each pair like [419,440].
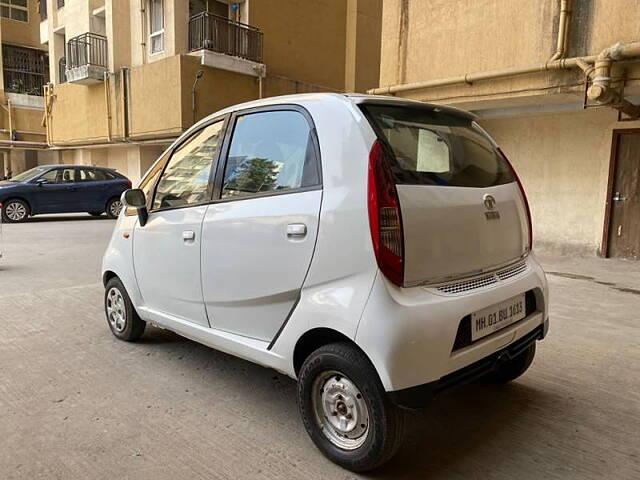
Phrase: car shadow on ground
[442,439]
[64,218]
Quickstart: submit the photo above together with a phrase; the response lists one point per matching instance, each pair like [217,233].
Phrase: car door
[92,188]
[259,234]
[59,194]
[166,251]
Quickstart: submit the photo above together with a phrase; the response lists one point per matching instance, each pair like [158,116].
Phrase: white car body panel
[167,264]
[406,332]
[420,351]
[252,270]
[461,241]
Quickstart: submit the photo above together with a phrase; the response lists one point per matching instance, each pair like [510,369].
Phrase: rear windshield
[437,148]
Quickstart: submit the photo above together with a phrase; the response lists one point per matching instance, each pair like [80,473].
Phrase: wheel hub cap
[341,410]
[115,208]
[116,313]
[15,211]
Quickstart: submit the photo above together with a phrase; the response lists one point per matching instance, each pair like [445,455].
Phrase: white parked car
[377,250]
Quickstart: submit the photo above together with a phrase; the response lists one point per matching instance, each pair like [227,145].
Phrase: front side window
[438,148]
[156,26]
[60,175]
[185,179]
[270,152]
[15,10]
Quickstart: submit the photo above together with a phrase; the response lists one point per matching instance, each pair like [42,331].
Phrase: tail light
[524,197]
[385,220]
[129,183]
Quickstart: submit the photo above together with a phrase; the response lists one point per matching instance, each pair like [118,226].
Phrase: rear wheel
[515,367]
[14,211]
[345,409]
[113,208]
[122,318]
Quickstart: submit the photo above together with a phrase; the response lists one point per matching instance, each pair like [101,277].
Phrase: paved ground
[77,404]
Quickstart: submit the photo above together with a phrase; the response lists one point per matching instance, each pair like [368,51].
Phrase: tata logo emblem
[490,204]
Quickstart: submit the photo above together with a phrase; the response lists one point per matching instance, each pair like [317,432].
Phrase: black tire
[385,429]
[515,367]
[13,207]
[132,327]
[95,214]
[111,210]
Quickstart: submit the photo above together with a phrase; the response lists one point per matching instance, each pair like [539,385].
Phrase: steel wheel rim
[340,410]
[15,211]
[115,208]
[116,312]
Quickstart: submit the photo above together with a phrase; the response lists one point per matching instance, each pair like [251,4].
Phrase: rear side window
[437,148]
[92,175]
[185,180]
[270,152]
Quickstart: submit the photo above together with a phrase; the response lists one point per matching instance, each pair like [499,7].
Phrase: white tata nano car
[377,250]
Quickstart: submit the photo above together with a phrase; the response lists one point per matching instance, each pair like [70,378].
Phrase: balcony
[226,44]
[25,70]
[86,59]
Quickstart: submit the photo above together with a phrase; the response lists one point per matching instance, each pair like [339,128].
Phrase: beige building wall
[453,38]
[25,34]
[563,161]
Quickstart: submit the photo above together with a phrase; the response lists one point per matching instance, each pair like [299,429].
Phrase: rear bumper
[415,336]
[420,395]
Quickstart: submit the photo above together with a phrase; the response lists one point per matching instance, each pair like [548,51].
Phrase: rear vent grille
[460,287]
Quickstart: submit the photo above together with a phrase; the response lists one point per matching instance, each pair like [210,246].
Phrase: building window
[156,26]
[26,70]
[15,10]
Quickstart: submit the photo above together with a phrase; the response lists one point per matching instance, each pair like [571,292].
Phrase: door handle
[296,230]
[188,236]
[618,197]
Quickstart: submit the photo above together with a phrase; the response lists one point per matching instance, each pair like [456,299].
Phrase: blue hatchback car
[62,189]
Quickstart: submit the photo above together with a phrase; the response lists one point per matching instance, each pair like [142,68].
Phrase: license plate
[496,317]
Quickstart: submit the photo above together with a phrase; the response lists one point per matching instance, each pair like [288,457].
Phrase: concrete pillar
[17,163]
[49,157]
[362,45]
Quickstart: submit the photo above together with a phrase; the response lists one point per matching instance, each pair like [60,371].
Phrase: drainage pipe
[193,93]
[563,29]
[107,102]
[623,52]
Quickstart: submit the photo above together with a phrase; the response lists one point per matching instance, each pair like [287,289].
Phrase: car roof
[76,166]
[348,98]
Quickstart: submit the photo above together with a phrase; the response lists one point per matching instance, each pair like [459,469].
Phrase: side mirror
[135,198]
[41,181]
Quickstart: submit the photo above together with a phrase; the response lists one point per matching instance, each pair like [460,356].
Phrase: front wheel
[14,211]
[345,409]
[113,208]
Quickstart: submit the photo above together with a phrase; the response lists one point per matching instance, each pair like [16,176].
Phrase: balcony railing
[88,49]
[26,70]
[219,34]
